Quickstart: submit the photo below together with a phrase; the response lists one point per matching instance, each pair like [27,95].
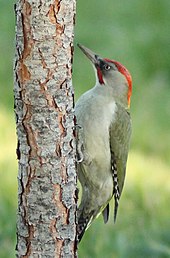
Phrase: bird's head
[111,75]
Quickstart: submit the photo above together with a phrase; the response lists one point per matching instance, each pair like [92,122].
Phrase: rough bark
[45,125]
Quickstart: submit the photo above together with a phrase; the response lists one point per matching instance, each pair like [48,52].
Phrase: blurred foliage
[135,33]
[6,53]
[8,184]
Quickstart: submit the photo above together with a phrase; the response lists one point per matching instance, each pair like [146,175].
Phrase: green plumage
[106,134]
[103,134]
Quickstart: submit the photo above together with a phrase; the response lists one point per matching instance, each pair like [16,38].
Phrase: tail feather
[105,214]
[83,223]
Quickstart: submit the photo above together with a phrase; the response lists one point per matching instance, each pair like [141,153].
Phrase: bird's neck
[111,95]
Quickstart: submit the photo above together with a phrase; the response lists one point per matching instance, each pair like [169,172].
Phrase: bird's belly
[101,190]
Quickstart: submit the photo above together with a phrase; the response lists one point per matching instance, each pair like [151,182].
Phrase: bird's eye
[107,67]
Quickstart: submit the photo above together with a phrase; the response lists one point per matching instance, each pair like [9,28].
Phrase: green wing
[120,132]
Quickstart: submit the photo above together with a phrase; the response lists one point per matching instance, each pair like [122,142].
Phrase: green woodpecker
[103,134]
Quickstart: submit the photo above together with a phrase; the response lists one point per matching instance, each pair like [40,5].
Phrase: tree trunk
[45,123]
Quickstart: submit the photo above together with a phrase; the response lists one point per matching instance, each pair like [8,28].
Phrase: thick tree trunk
[45,123]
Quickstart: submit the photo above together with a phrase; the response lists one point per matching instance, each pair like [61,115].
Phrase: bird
[103,132]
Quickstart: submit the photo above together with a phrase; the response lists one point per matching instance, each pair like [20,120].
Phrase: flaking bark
[45,123]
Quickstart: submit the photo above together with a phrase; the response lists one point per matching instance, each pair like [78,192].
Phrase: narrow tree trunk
[45,123]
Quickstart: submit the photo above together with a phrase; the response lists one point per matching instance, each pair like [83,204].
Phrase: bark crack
[30,133]
[52,14]
[23,72]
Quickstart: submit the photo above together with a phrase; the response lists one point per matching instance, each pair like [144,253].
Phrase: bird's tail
[84,221]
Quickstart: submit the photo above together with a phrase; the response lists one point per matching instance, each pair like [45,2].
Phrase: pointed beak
[94,58]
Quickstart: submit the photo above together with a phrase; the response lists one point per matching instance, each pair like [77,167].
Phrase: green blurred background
[136,33]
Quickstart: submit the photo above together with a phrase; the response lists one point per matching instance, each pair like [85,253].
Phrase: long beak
[94,58]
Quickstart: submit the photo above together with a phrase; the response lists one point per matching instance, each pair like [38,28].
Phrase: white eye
[107,67]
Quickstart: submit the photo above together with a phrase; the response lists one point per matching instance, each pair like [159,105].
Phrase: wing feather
[120,132]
